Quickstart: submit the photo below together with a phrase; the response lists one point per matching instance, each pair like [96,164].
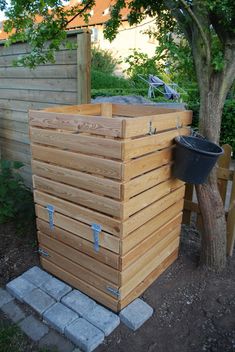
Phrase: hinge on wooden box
[42,252]
[152,130]
[96,228]
[51,210]
[114,291]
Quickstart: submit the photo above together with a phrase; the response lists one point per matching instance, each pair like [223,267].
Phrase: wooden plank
[191,206]
[40,84]
[15,146]
[80,258]
[150,196]
[82,230]
[15,155]
[14,125]
[15,136]
[231,220]
[140,146]
[72,122]
[134,110]
[78,179]
[146,181]
[188,198]
[140,125]
[78,196]
[146,163]
[72,280]
[13,115]
[80,162]
[24,106]
[150,241]
[148,268]
[137,291]
[79,213]
[224,162]
[167,219]
[81,272]
[81,109]
[225,174]
[77,142]
[152,210]
[83,68]
[81,244]
[107,109]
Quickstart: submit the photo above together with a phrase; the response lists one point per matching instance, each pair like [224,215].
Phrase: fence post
[83,67]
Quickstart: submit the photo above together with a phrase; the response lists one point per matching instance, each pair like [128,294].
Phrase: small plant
[103,60]
[16,201]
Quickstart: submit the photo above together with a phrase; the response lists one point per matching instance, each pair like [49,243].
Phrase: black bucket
[194,158]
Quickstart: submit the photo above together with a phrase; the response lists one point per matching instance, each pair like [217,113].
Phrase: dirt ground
[194,309]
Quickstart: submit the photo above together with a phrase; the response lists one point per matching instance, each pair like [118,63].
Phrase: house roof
[99,15]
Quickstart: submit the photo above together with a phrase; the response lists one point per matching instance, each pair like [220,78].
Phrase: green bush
[16,201]
[118,91]
[101,80]
[102,60]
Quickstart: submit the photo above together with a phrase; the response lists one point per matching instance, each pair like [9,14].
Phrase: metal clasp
[151,129]
[51,210]
[96,228]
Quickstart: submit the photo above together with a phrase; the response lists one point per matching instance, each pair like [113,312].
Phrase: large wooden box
[107,167]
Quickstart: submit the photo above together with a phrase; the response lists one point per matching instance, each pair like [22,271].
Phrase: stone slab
[39,300]
[103,319]
[5,297]
[55,288]
[19,287]
[85,335]
[56,341]
[59,316]
[13,312]
[79,302]
[136,314]
[36,276]
[33,328]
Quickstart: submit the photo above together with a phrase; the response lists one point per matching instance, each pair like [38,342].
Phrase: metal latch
[51,210]
[96,228]
[151,129]
[42,252]
[114,291]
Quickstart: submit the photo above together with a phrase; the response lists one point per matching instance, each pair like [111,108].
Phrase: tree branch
[80,12]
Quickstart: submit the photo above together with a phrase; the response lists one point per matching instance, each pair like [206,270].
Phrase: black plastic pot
[194,158]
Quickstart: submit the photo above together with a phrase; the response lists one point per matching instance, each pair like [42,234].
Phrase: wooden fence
[226,183]
[65,82]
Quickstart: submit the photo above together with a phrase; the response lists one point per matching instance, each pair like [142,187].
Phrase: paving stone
[136,314]
[5,297]
[55,288]
[59,316]
[53,339]
[103,319]
[13,311]
[33,328]
[19,287]
[77,350]
[85,335]
[79,302]
[36,276]
[39,300]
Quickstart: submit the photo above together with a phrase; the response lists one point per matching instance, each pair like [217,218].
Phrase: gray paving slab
[36,276]
[79,302]
[33,328]
[77,350]
[13,312]
[39,300]
[85,335]
[103,319]
[55,288]
[136,314]
[54,340]
[59,316]
[5,297]
[19,287]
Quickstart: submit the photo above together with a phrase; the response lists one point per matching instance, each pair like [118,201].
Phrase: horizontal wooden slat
[79,213]
[80,162]
[94,125]
[144,284]
[82,230]
[140,125]
[15,155]
[135,110]
[15,146]
[140,146]
[78,196]
[82,109]
[14,125]
[13,115]
[80,258]
[152,210]
[90,290]
[24,105]
[77,142]
[15,136]
[82,245]
[225,174]
[40,84]
[89,182]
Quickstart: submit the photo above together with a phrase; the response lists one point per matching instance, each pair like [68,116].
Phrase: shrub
[103,60]
[101,80]
[16,201]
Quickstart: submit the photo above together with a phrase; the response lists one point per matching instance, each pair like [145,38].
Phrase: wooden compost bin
[108,166]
